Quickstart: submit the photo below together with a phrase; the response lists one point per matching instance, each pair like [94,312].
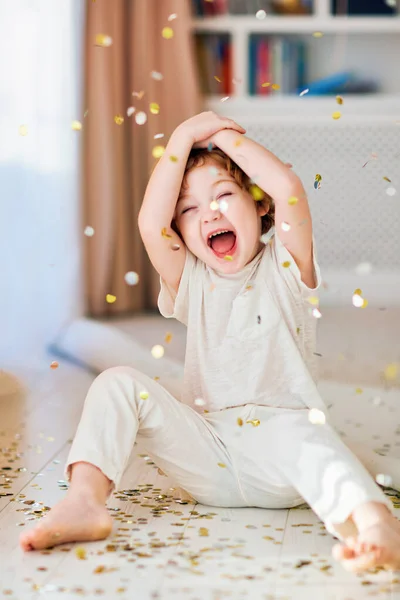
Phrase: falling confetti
[76,125]
[275,86]
[304,92]
[173,158]
[314,300]
[118,119]
[316,313]
[172,16]
[374,156]
[203,532]
[141,118]
[318,34]
[222,465]
[138,94]
[23,130]
[154,108]
[240,422]
[130,111]
[285,226]
[286,264]
[214,205]
[89,231]
[225,98]
[391,191]
[223,206]
[261,14]
[54,365]
[336,115]
[199,402]
[167,33]
[316,417]
[256,192]
[158,151]
[339,99]
[157,351]
[103,40]
[158,136]
[359,391]
[391,371]
[217,79]
[168,337]
[165,234]
[131,278]
[156,75]
[293,200]
[110,298]
[144,394]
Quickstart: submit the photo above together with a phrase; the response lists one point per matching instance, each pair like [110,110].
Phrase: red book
[263,68]
[227,68]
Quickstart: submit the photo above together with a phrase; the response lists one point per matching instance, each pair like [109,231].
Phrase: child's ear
[263,207]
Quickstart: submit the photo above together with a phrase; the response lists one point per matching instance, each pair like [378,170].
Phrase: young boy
[243,290]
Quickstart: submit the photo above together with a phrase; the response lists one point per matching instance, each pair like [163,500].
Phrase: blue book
[252,65]
[327,85]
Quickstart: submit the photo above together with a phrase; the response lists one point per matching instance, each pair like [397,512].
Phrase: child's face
[196,219]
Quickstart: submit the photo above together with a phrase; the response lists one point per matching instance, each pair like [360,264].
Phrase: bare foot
[376,546]
[74,519]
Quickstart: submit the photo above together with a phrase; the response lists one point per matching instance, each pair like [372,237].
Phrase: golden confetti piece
[141,118]
[222,465]
[285,226]
[173,158]
[254,422]
[240,422]
[228,257]
[286,264]
[203,532]
[167,33]
[168,337]
[314,300]
[144,395]
[357,292]
[387,179]
[89,231]
[336,115]
[76,125]
[237,142]
[131,278]
[339,99]
[265,84]
[385,480]
[293,200]
[138,94]
[54,365]
[316,416]
[275,86]
[23,130]
[80,552]
[214,205]
[256,192]
[158,151]
[104,41]
[317,34]
[100,569]
[157,351]
[318,177]
[391,371]
[217,79]
[110,298]
[154,108]
[118,119]
[165,234]
[364,304]
[359,391]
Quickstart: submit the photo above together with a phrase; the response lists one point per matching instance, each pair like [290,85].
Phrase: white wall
[40,225]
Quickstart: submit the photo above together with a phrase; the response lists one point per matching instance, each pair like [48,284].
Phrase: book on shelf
[209,8]
[214,59]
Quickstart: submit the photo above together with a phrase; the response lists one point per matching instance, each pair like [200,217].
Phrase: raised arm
[286,189]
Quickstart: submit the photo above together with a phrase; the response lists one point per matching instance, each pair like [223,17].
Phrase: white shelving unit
[369,46]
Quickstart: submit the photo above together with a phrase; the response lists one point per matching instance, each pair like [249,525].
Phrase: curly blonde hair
[199,156]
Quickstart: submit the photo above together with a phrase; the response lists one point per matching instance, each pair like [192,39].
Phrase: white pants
[281,463]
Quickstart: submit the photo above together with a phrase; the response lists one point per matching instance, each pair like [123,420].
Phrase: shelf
[297,24]
[355,106]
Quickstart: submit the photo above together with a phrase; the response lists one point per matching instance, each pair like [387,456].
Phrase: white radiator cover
[355,220]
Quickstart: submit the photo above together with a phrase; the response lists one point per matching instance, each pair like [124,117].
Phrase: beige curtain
[117,159]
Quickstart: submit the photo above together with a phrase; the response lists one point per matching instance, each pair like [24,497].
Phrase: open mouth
[223,243]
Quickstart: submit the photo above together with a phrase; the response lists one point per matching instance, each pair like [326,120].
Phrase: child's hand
[204,125]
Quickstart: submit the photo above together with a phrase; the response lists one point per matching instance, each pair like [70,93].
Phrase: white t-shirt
[251,336]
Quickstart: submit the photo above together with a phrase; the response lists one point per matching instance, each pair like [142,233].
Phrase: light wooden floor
[159,548]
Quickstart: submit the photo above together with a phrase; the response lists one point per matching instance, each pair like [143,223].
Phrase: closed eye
[186,209]
[224,194]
